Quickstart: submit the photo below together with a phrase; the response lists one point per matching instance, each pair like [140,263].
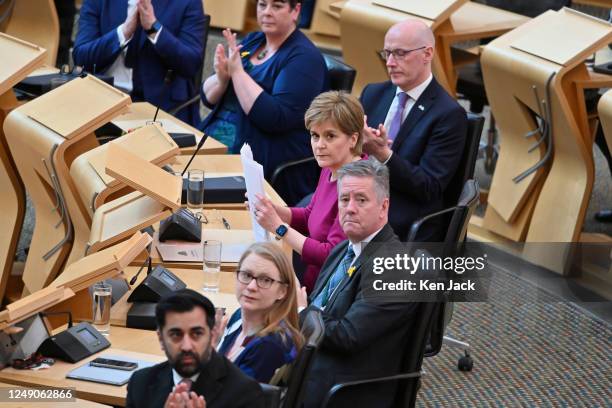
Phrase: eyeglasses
[397,53]
[263,282]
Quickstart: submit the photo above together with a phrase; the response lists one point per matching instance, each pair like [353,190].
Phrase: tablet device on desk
[105,375]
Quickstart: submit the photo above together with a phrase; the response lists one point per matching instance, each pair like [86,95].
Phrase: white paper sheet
[192,252]
[254,180]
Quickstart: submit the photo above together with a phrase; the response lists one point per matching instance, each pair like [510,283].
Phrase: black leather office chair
[453,243]
[292,395]
[341,75]
[409,380]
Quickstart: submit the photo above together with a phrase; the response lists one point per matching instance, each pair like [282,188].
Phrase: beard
[191,369]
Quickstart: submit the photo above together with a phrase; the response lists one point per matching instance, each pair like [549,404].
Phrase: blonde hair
[340,108]
[283,315]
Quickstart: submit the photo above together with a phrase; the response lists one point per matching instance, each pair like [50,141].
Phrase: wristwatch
[281,231]
[154,28]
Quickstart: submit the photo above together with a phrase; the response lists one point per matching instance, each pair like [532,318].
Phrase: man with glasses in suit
[414,127]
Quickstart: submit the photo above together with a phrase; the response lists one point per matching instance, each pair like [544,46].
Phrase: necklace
[262,54]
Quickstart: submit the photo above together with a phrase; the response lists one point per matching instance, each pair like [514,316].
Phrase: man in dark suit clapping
[194,375]
[417,129]
[363,339]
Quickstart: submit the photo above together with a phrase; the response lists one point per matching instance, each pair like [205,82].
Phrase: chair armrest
[337,387]
[414,228]
[287,165]
[185,104]
[272,395]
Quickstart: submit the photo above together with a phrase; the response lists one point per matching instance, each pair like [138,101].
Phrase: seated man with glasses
[263,334]
[415,128]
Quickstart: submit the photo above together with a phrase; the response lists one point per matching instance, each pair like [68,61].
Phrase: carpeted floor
[529,349]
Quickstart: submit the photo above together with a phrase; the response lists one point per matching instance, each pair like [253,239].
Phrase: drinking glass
[102,293]
[211,265]
[195,189]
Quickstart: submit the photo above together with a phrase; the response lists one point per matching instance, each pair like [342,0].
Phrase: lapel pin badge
[350,271]
[421,107]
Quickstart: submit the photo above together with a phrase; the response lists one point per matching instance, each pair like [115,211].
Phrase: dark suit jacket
[426,153]
[362,339]
[179,47]
[221,383]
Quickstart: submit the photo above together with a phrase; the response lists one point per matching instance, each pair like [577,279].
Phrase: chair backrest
[341,75]
[467,164]
[199,75]
[407,390]
[313,330]
[460,216]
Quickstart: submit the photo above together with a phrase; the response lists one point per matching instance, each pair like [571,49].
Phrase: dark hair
[184,300]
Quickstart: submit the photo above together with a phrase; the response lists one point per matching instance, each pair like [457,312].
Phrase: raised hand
[220,64]
[234,62]
[130,24]
[146,13]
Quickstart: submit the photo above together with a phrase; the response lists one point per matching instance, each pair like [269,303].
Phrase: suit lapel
[162,386]
[419,109]
[209,382]
[380,113]
[383,236]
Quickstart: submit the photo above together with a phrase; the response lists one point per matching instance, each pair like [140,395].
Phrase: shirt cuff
[388,158]
[155,36]
[122,40]
[301,308]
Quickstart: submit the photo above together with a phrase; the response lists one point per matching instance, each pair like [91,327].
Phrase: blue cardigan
[261,355]
[274,128]
[179,47]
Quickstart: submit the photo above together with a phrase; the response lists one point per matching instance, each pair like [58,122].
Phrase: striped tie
[335,278]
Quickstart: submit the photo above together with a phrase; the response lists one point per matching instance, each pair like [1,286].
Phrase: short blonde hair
[343,110]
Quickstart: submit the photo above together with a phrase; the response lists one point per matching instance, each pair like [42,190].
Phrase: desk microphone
[204,137]
[167,81]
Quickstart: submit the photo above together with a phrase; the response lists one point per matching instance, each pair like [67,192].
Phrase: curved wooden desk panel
[31,145]
[12,204]
[548,205]
[36,21]
[95,187]
[605,116]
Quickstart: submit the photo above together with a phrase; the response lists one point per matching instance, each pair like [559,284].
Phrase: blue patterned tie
[396,122]
[335,278]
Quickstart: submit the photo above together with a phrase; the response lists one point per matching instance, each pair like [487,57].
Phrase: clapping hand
[146,13]
[376,142]
[220,64]
[234,62]
[181,397]
[131,23]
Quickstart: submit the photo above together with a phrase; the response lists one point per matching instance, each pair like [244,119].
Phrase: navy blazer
[274,128]
[426,153]
[363,339]
[179,48]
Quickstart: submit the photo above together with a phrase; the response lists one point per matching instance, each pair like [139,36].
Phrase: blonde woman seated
[263,334]
[335,121]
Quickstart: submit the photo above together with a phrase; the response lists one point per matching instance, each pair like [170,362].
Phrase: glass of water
[211,265]
[195,189]
[102,293]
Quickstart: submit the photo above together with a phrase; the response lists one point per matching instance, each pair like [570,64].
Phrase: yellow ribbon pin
[245,54]
[351,271]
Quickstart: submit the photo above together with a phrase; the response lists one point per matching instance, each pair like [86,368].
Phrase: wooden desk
[194,279]
[81,403]
[144,110]
[129,342]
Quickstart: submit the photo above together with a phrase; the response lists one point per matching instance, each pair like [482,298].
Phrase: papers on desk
[168,125]
[254,180]
[234,243]
[104,375]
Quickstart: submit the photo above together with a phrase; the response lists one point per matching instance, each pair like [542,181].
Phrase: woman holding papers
[262,335]
[335,121]
[260,91]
